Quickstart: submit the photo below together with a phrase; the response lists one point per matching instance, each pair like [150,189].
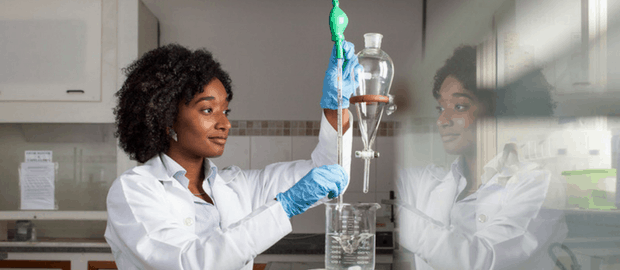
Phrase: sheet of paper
[36,181]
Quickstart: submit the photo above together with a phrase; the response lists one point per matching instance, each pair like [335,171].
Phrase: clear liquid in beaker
[345,251]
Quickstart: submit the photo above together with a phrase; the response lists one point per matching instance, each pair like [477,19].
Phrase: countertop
[297,244]
[300,243]
[312,265]
[69,245]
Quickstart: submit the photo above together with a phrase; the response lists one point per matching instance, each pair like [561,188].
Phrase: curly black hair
[156,83]
[527,96]
[462,66]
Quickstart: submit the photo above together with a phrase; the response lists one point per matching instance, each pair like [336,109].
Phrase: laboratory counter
[302,244]
[312,265]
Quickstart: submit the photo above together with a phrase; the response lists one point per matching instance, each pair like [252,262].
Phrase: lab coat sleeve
[265,184]
[407,185]
[521,229]
[141,225]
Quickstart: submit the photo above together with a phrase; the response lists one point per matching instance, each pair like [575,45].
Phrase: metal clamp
[391,107]
[370,154]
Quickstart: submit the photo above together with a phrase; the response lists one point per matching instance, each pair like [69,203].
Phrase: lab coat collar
[172,170]
[156,168]
[456,168]
[506,164]
[438,173]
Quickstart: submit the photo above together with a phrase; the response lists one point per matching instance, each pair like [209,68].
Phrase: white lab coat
[514,216]
[151,216]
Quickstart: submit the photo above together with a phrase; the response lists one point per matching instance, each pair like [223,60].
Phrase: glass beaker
[350,236]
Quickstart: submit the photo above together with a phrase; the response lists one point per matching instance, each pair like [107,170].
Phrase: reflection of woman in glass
[455,219]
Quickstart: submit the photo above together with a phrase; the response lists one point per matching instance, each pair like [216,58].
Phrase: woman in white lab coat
[457,218]
[179,210]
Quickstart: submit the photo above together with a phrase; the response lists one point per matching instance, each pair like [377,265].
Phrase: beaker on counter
[350,236]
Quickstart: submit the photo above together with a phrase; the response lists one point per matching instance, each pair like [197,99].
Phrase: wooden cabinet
[33,264]
[97,265]
[61,260]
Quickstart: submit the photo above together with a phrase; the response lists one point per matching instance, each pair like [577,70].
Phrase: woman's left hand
[329,100]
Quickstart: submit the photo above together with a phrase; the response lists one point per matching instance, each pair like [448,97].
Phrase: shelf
[53,215]
[57,243]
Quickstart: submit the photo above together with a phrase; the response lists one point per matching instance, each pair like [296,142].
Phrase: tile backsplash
[298,128]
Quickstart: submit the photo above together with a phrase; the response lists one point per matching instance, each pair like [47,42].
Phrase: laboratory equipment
[350,229]
[591,189]
[372,96]
[338,22]
[23,230]
[350,236]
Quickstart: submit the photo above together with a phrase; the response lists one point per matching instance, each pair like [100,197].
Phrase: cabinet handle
[75,91]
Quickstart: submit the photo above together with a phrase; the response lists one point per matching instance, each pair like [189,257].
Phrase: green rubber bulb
[338,21]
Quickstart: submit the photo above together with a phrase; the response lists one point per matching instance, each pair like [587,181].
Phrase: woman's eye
[208,110]
[227,112]
[439,109]
[460,107]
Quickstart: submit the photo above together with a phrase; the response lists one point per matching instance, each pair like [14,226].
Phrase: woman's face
[202,125]
[458,109]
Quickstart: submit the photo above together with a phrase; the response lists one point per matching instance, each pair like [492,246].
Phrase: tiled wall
[297,128]
[255,144]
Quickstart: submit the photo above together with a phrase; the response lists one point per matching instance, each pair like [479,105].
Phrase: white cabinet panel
[118,32]
[50,50]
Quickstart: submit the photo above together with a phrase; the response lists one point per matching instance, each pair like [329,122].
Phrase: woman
[504,219]
[178,210]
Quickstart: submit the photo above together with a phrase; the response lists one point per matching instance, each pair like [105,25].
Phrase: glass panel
[577,149]
[86,157]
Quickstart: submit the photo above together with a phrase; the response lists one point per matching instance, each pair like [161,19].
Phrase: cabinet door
[50,50]
[32,264]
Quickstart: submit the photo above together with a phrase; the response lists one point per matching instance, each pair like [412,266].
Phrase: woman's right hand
[327,180]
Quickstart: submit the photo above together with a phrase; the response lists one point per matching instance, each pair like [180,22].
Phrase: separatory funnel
[372,96]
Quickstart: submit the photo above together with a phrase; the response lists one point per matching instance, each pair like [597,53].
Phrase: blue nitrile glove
[329,100]
[327,180]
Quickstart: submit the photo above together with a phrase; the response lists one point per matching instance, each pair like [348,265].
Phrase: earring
[173,135]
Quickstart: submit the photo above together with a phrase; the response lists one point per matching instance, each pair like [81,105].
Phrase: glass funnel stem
[366,174]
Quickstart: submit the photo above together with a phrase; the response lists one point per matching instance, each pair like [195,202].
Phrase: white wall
[277,51]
